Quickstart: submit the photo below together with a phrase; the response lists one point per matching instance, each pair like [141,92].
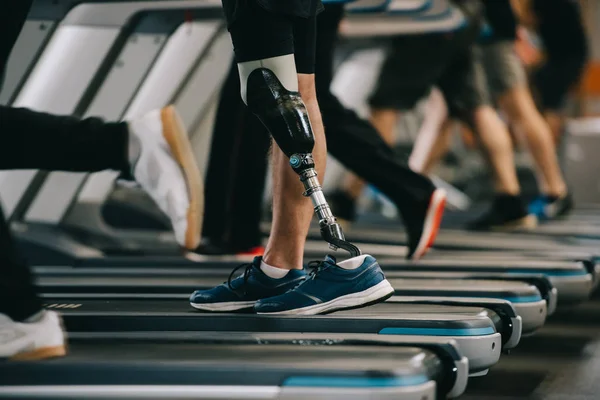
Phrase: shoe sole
[176,136]
[433,220]
[224,307]
[527,223]
[376,294]
[41,353]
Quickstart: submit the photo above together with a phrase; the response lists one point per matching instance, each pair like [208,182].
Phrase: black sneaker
[506,214]
[423,224]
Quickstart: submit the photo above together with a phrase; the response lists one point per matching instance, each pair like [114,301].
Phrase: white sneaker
[166,169]
[44,338]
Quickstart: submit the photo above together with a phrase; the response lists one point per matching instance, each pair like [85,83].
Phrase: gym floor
[561,361]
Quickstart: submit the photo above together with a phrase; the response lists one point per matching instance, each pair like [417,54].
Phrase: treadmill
[525,300]
[65,228]
[474,329]
[453,239]
[42,20]
[243,366]
[112,49]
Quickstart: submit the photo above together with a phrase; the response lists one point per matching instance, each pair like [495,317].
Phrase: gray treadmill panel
[33,37]
[133,62]
[250,366]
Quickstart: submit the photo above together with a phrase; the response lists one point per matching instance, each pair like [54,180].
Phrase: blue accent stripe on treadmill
[438,331]
[550,272]
[524,299]
[358,382]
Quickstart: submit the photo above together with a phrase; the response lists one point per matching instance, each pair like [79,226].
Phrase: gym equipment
[526,299]
[471,327]
[134,47]
[450,239]
[242,366]
[581,142]
[371,6]
[389,18]
[39,27]
[574,280]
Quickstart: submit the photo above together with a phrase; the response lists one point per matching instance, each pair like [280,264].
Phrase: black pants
[34,140]
[353,141]
[235,177]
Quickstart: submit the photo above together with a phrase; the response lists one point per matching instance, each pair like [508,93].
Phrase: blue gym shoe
[536,207]
[242,292]
[330,287]
[551,207]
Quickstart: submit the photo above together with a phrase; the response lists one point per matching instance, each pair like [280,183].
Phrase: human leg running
[508,84]
[274,45]
[358,146]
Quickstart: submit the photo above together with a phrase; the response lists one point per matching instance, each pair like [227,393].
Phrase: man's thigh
[412,66]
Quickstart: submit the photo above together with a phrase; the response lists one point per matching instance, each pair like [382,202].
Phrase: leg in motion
[400,86]
[465,87]
[236,170]
[275,54]
[359,147]
[518,105]
[508,83]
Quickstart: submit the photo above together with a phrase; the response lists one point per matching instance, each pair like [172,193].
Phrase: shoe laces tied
[247,271]
[316,267]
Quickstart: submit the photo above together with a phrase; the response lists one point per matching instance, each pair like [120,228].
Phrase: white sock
[273,272]
[352,263]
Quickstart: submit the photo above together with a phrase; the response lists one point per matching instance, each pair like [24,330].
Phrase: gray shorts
[491,71]
[503,68]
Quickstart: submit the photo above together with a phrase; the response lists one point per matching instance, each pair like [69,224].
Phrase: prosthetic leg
[265,91]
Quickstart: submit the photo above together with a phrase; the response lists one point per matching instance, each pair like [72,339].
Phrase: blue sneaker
[536,207]
[242,292]
[330,287]
[551,207]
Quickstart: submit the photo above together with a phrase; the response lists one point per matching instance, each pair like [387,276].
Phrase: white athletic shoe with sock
[165,167]
[34,339]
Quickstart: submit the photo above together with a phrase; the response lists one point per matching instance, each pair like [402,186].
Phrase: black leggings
[350,139]
[34,140]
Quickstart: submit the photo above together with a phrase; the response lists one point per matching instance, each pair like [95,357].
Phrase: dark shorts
[417,63]
[270,28]
[555,79]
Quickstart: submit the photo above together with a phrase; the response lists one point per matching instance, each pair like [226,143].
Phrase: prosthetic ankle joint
[284,114]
